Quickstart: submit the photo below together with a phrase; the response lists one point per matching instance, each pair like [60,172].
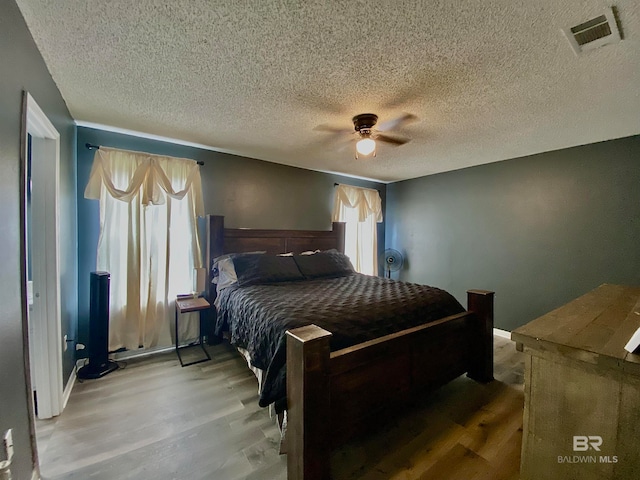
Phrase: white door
[45,342]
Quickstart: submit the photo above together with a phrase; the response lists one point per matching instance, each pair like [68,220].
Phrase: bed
[337,383]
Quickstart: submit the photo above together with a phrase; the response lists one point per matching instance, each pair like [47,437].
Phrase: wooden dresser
[582,389]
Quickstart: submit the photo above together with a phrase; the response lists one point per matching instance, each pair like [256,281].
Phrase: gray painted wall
[539,230]
[249,193]
[24,69]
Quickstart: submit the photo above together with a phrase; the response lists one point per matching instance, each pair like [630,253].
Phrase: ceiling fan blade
[396,122]
[396,141]
[330,129]
[344,146]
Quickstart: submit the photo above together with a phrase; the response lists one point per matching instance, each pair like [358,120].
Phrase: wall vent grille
[597,32]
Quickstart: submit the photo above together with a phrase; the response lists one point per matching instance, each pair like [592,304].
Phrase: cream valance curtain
[148,242]
[111,167]
[361,210]
[365,201]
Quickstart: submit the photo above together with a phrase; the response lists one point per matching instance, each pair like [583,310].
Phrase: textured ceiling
[488,80]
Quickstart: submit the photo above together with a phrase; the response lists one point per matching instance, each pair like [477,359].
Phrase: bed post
[214,248]
[215,239]
[308,402]
[480,302]
[339,229]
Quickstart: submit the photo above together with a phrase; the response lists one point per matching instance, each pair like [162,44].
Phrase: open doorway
[41,157]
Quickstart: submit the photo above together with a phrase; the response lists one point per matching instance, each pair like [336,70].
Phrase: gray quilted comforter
[354,308]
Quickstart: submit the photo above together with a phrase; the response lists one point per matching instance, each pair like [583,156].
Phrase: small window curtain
[148,242]
[361,209]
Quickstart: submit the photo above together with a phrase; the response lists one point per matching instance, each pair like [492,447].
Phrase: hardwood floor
[464,431]
[156,420]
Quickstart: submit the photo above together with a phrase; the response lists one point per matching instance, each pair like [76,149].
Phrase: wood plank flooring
[156,420]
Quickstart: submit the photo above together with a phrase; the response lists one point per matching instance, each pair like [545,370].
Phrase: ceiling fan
[367,135]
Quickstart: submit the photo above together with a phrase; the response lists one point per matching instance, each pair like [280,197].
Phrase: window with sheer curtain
[361,210]
[148,242]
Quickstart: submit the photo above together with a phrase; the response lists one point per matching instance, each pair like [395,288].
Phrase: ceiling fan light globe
[366,146]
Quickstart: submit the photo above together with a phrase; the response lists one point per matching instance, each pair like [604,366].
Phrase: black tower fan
[99,364]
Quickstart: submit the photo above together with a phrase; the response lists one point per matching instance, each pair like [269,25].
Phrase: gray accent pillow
[255,269]
[329,263]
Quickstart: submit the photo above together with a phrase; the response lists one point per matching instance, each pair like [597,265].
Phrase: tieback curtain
[360,209]
[149,205]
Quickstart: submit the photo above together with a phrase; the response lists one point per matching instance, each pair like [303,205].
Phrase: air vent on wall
[594,33]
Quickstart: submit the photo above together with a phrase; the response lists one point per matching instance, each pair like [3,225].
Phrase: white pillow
[290,254]
[226,274]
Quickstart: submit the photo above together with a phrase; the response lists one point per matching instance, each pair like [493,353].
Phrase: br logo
[583,443]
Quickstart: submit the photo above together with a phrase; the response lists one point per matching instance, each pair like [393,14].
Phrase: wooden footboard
[334,396]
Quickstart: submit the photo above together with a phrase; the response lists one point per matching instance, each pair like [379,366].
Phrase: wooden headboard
[222,240]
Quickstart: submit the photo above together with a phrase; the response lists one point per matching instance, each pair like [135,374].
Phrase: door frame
[46,357]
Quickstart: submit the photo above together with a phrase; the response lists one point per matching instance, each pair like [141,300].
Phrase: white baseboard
[129,354]
[502,333]
[67,389]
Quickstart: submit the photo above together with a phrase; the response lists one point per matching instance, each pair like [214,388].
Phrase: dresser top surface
[600,322]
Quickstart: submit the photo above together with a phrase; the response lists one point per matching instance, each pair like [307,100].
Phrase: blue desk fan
[392,261]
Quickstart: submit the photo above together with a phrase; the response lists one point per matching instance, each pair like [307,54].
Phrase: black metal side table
[186,305]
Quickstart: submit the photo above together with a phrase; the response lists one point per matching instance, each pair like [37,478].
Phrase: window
[361,210]
[148,242]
